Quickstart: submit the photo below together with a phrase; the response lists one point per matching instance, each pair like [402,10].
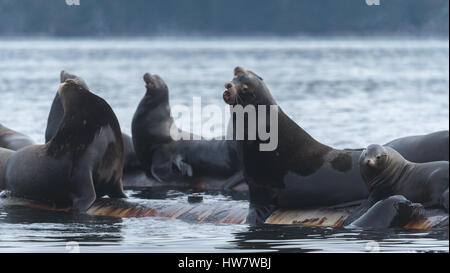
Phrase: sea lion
[167,160]
[82,161]
[423,148]
[56,114]
[301,172]
[10,139]
[394,211]
[387,173]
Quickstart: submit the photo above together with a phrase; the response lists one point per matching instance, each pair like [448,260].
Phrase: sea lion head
[374,157]
[70,91]
[64,75]
[372,162]
[247,88]
[406,210]
[156,87]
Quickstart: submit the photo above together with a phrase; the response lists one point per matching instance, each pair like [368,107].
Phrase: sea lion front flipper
[234,180]
[184,168]
[117,191]
[363,208]
[83,191]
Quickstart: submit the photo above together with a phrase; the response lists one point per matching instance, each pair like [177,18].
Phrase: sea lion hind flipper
[184,168]
[444,200]
[83,191]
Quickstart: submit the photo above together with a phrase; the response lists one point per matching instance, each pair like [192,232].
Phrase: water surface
[347,93]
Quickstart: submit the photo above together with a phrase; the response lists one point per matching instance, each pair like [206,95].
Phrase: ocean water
[346,92]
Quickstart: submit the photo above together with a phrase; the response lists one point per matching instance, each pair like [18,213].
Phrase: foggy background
[219,17]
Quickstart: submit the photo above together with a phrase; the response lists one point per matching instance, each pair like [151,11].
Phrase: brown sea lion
[83,161]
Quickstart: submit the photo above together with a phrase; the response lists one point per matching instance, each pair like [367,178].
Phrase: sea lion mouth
[230,94]
[229,98]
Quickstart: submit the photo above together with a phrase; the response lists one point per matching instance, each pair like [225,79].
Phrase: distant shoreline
[230,37]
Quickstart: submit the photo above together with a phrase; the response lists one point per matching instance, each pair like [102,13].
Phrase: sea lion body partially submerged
[83,161]
[300,172]
[393,212]
[182,161]
[12,140]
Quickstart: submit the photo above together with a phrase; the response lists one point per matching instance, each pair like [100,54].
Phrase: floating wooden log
[224,212]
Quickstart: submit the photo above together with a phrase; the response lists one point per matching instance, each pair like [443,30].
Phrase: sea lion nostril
[229,85]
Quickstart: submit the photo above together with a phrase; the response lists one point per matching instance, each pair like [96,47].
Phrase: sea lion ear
[238,71]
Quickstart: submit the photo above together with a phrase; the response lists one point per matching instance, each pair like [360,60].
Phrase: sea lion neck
[266,98]
[155,97]
[394,168]
[84,116]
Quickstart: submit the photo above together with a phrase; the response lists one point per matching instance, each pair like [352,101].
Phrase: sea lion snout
[229,95]
[148,79]
[370,162]
[63,86]
[373,156]
[153,81]
[63,76]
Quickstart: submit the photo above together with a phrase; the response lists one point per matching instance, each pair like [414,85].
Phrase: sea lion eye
[378,157]
[245,87]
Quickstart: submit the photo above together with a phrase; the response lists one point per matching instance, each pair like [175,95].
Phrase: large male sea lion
[300,172]
[56,114]
[83,161]
[10,139]
[192,161]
